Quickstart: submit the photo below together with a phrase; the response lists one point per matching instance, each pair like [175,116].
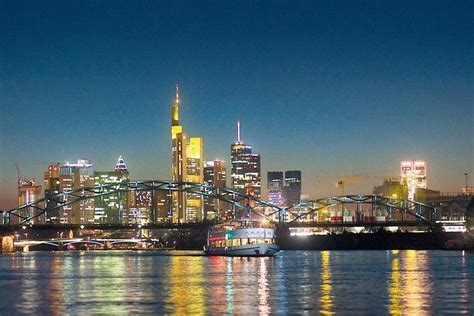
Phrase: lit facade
[245,173]
[178,164]
[187,166]
[275,187]
[28,192]
[51,188]
[115,207]
[413,175]
[215,175]
[67,177]
[149,207]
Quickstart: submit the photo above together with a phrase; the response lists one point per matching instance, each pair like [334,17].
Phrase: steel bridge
[336,211]
[79,243]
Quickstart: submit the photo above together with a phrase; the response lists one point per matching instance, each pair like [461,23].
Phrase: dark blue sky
[332,88]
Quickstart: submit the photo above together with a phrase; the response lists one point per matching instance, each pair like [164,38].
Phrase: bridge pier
[7,244]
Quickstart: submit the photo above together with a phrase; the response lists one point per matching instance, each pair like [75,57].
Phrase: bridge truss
[351,209]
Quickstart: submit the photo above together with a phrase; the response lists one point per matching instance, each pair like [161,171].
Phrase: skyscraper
[187,166]
[178,153]
[292,189]
[275,187]
[114,207]
[215,175]
[245,173]
[51,188]
[68,177]
[28,191]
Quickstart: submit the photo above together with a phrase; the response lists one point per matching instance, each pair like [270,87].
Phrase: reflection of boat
[243,237]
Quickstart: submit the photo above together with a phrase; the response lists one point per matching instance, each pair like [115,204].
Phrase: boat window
[236,242]
[252,241]
[244,241]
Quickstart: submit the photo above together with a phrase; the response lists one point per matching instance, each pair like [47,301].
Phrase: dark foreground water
[293,282]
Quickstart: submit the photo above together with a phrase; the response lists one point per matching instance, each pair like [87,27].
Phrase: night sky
[332,88]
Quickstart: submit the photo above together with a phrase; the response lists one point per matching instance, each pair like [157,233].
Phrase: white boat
[242,238]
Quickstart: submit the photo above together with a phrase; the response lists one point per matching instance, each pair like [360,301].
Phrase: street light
[466,183]
[466,194]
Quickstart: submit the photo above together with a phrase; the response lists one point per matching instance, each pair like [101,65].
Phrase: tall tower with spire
[187,166]
[178,165]
[245,172]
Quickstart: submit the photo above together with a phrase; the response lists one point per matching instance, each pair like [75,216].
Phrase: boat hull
[255,250]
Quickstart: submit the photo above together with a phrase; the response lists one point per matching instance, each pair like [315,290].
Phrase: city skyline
[325,110]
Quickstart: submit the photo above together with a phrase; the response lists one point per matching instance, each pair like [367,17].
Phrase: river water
[293,282]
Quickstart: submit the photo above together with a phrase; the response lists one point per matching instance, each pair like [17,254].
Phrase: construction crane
[355,178]
[19,177]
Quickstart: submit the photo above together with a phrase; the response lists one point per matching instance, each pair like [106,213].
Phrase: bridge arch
[62,199]
[426,214]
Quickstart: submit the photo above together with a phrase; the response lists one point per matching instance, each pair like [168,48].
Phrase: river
[184,282]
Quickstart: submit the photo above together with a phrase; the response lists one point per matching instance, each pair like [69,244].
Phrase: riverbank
[380,240]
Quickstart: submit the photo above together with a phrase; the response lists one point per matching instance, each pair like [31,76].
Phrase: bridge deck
[55,227]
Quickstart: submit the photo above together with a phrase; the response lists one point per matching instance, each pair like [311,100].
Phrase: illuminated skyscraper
[245,173]
[67,177]
[187,166]
[275,187]
[112,208]
[51,188]
[178,151]
[28,191]
[215,175]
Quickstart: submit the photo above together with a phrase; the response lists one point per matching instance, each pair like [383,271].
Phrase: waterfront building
[413,175]
[187,166]
[292,189]
[245,173]
[112,208]
[275,187]
[28,192]
[215,175]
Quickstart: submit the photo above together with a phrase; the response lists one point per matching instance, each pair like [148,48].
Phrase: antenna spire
[238,131]
[177,93]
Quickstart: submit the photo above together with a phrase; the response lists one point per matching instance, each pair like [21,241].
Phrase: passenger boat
[242,238]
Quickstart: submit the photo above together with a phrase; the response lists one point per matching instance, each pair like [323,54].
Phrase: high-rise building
[292,189]
[187,166]
[413,175]
[215,175]
[112,208]
[51,188]
[245,173]
[28,192]
[149,207]
[68,177]
[178,164]
[275,187]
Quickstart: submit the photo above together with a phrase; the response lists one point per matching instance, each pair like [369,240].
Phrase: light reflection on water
[293,282]
[326,287]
